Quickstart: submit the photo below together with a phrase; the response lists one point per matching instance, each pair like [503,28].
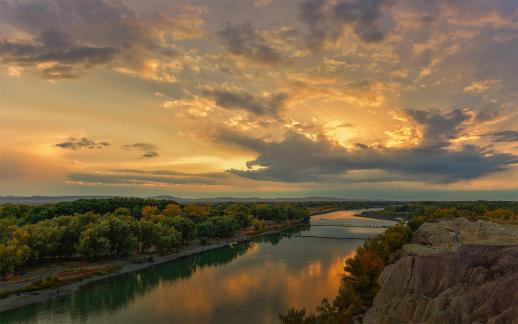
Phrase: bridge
[335,237]
[347,225]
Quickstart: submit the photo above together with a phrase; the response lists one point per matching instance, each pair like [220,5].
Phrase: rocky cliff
[455,271]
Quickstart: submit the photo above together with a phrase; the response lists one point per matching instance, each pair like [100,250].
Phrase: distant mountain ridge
[38,200]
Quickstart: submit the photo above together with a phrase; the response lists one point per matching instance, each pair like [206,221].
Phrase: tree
[197,213]
[172,210]
[43,239]
[7,226]
[121,211]
[121,236]
[93,243]
[297,317]
[149,234]
[6,260]
[15,253]
[168,239]
[205,231]
[111,236]
[149,211]
[185,226]
[68,232]
[224,226]
[241,213]
[257,224]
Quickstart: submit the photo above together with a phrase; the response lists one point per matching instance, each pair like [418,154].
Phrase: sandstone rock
[452,233]
[417,249]
[442,277]
[477,283]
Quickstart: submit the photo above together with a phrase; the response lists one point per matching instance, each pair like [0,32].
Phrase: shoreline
[23,299]
[383,217]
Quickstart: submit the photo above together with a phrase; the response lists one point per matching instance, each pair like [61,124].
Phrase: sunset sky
[392,99]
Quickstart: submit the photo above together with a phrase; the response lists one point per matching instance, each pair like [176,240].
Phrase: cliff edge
[455,271]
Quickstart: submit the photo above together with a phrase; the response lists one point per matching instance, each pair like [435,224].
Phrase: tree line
[119,227]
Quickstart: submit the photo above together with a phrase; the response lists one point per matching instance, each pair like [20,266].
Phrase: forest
[96,229]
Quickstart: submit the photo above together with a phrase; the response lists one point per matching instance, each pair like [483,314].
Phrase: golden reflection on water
[336,215]
[209,287]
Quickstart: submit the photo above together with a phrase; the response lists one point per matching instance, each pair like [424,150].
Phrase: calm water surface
[250,282]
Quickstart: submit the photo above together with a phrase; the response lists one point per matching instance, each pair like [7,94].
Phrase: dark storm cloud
[150,150]
[439,127]
[258,105]
[71,59]
[328,19]
[244,40]
[141,177]
[505,136]
[298,159]
[73,36]
[82,143]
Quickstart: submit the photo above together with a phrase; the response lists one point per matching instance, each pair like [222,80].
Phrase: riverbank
[381,216]
[17,300]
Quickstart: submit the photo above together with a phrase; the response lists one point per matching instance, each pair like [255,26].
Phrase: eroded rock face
[444,278]
[476,283]
[452,233]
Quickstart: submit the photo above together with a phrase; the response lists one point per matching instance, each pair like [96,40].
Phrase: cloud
[262,3]
[505,136]
[481,86]
[144,177]
[149,155]
[439,127]
[327,19]
[150,150]
[141,146]
[64,39]
[82,143]
[260,105]
[245,41]
[299,158]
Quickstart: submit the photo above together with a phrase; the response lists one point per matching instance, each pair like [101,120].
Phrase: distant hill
[39,200]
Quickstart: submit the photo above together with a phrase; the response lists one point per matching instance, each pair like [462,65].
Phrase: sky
[375,99]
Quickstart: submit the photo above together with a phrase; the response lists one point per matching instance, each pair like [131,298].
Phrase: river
[250,282]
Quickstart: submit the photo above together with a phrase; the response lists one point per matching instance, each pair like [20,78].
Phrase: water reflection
[248,282]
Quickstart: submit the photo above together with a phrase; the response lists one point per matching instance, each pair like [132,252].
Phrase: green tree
[257,224]
[93,243]
[185,226]
[205,231]
[121,211]
[241,213]
[111,236]
[295,316]
[7,226]
[224,226]
[149,234]
[169,239]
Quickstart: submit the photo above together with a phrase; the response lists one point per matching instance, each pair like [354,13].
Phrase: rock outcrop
[449,234]
[444,278]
